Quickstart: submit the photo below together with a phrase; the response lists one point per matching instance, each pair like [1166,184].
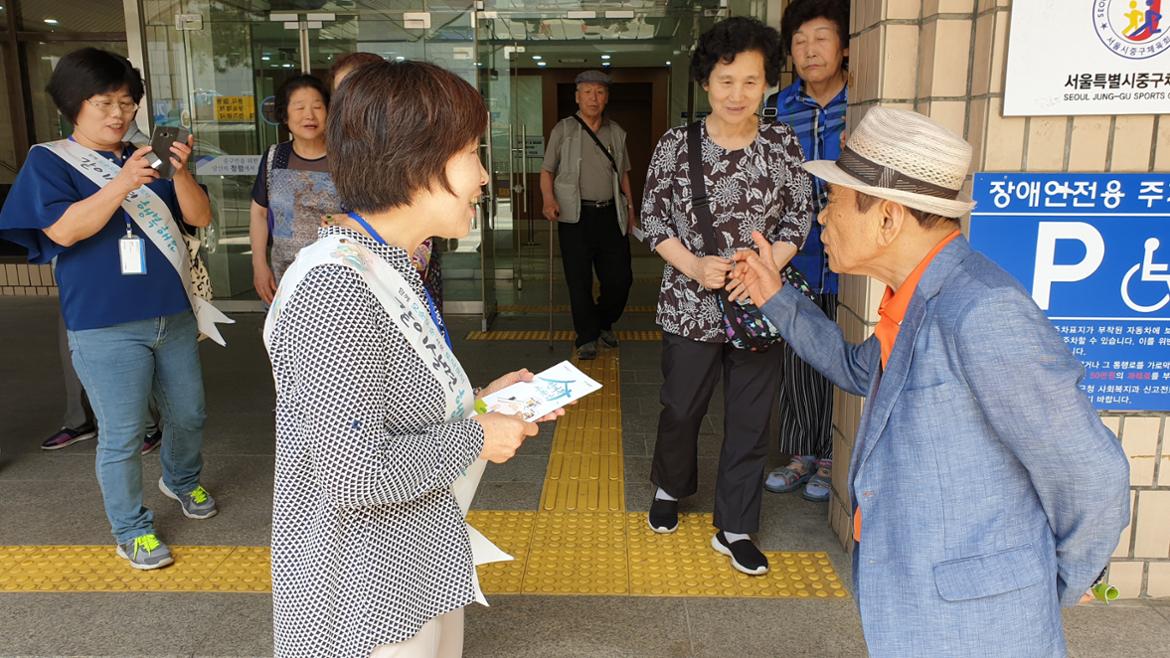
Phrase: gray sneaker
[145,552]
[198,504]
[588,351]
[609,338]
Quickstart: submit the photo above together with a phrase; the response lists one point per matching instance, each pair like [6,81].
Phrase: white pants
[441,637]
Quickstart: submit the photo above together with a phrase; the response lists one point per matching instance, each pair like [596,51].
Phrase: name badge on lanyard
[132,252]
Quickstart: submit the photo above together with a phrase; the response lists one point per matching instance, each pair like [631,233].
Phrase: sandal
[818,487]
[789,478]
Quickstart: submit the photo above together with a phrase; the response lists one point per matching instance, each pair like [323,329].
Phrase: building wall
[7,141]
[22,279]
[946,59]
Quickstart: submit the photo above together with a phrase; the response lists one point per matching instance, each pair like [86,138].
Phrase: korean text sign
[1069,57]
[1093,250]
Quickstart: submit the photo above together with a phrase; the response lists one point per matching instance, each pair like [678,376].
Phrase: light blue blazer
[990,492]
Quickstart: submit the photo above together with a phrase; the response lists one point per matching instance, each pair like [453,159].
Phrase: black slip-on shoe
[609,338]
[663,516]
[745,557]
[588,351]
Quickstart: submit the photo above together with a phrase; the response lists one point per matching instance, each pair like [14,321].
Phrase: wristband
[1104,592]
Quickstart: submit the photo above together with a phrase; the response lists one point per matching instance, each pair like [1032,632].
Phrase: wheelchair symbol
[1151,272]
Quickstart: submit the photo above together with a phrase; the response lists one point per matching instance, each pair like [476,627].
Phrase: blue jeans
[120,366]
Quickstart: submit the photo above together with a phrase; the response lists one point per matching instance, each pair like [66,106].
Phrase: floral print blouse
[758,188]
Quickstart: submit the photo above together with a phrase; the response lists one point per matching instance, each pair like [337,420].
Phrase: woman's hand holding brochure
[537,398]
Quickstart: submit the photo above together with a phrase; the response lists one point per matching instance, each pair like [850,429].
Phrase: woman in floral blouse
[754,180]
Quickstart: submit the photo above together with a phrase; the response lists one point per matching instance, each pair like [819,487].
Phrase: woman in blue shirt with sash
[124,280]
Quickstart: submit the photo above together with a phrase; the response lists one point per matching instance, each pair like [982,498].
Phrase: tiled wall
[945,58]
[27,280]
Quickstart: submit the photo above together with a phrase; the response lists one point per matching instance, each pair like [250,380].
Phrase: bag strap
[598,142]
[268,164]
[699,202]
[701,206]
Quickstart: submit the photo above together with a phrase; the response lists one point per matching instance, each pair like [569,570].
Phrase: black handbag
[746,326]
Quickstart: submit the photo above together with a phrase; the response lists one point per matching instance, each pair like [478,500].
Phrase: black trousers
[806,400]
[690,370]
[596,243]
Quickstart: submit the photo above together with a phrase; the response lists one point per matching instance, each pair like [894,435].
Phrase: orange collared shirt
[891,312]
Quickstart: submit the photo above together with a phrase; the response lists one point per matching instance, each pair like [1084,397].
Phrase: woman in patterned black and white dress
[370,551]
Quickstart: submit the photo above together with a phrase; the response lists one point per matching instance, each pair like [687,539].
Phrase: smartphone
[160,148]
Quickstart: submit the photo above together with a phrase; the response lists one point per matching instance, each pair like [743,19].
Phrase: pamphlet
[548,391]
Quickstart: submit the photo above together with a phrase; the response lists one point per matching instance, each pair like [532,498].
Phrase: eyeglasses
[105,106]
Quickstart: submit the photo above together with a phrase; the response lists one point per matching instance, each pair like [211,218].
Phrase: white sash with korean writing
[413,320]
[154,218]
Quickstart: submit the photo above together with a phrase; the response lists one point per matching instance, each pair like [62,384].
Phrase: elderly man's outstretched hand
[756,276]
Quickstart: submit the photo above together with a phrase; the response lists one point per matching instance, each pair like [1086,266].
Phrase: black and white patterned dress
[368,543]
[758,188]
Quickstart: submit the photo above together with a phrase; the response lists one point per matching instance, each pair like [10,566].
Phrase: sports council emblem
[1134,29]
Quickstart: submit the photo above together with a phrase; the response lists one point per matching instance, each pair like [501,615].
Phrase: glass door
[215,69]
[496,62]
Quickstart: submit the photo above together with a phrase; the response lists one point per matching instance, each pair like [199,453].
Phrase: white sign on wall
[227,165]
[1069,57]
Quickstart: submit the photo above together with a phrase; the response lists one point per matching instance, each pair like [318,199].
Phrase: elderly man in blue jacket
[986,492]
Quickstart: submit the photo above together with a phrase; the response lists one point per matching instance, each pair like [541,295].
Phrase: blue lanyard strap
[431,308]
[366,225]
[437,318]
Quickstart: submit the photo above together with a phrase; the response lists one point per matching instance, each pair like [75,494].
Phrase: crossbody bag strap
[699,203]
[268,164]
[597,141]
[701,206]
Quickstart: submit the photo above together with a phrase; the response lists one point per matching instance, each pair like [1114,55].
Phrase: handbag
[745,325]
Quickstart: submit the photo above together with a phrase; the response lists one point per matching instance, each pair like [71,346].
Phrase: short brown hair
[924,219]
[392,129]
[350,61]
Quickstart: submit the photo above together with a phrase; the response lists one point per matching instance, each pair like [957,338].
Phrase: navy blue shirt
[94,292]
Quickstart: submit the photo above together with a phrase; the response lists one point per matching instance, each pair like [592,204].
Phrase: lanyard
[431,308]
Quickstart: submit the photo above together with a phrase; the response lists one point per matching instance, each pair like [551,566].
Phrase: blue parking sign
[1094,252]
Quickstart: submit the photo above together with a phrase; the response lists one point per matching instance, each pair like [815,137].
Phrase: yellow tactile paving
[581,541]
[561,308]
[631,336]
[512,532]
[563,553]
[577,553]
[97,569]
[246,569]
[684,564]
[645,278]
[585,466]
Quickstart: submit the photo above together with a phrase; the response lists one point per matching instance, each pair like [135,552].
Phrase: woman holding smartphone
[98,206]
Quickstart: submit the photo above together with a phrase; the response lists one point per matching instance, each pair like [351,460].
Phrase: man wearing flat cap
[985,491]
[585,182]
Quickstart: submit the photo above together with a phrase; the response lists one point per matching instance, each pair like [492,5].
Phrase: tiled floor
[52,499]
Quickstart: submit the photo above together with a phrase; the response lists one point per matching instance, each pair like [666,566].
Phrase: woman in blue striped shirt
[816,34]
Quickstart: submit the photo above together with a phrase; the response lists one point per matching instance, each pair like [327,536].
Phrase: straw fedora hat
[904,157]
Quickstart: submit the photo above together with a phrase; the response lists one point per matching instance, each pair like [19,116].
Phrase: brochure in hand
[547,392]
